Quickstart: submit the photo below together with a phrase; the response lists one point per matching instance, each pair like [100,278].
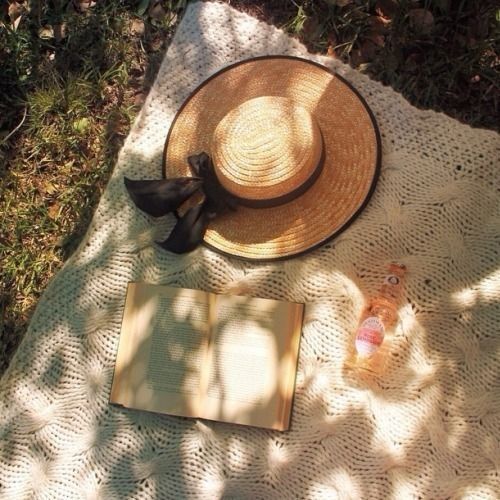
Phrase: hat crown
[331,200]
[266,149]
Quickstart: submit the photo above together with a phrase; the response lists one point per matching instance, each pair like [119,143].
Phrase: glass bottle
[371,343]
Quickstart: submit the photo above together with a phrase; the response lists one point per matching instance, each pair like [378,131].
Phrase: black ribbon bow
[162,196]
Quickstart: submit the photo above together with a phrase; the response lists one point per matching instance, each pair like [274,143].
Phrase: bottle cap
[397,268]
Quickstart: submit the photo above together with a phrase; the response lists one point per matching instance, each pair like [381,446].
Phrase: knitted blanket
[429,428]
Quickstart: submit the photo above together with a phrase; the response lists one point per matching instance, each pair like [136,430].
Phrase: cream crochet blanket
[429,429]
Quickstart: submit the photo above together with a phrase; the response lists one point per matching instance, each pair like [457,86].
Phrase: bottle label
[369,336]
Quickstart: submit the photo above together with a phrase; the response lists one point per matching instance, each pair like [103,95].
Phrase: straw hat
[294,143]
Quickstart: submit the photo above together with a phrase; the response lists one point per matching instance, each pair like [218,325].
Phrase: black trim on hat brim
[356,214]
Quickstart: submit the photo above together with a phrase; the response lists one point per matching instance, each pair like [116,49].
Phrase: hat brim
[344,186]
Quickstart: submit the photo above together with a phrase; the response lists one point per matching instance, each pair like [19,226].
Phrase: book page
[252,361]
[163,345]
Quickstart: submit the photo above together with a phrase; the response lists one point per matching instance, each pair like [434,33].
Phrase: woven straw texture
[266,147]
[429,429]
[343,184]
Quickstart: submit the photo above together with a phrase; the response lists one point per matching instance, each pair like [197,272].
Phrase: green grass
[73,79]
[450,63]
[76,97]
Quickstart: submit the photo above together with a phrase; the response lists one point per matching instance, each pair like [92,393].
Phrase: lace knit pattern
[429,429]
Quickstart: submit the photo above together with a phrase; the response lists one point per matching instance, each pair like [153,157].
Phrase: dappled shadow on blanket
[331,447]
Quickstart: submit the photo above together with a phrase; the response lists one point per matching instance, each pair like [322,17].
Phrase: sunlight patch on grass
[78,79]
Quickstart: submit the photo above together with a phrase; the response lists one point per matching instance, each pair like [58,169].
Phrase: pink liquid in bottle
[377,321]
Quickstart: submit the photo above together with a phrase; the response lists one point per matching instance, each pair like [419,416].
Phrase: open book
[197,354]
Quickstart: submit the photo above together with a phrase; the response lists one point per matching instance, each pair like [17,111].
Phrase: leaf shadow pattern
[423,429]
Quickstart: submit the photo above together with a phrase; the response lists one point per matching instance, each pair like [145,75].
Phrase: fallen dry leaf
[16,23]
[49,188]
[53,211]
[137,27]
[421,20]
[83,5]
[46,32]
[156,44]
[387,8]
[15,11]
[139,99]
[379,24]
[332,43]
[172,18]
